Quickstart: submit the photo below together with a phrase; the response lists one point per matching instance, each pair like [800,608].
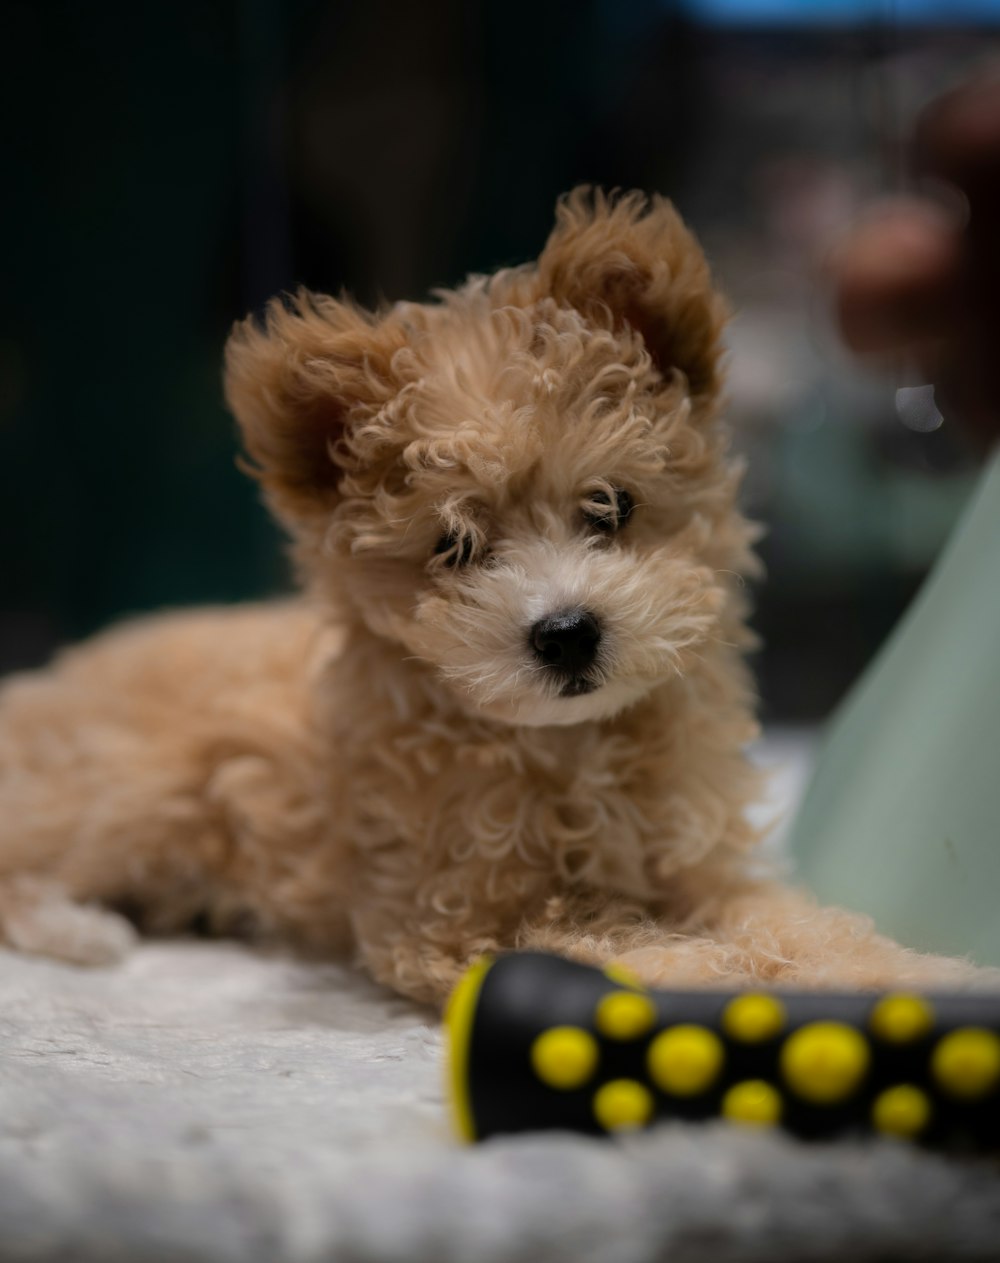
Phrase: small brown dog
[512,708]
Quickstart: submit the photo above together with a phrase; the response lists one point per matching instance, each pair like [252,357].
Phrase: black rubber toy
[538,1042]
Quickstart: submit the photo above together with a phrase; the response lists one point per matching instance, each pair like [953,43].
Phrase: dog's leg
[591,928]
[168,770]
[220,833]
[99,804]
[763,932]
[779,932]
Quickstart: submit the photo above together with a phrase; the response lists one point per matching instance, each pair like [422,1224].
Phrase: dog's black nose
[567,642]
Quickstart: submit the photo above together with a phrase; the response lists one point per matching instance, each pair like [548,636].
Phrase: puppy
[511,707]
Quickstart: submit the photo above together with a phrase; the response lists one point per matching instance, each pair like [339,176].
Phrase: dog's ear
[294,380]
[632,259]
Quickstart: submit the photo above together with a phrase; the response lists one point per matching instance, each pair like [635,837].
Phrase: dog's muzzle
[567,644]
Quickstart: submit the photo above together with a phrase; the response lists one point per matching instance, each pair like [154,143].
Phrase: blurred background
[167,167]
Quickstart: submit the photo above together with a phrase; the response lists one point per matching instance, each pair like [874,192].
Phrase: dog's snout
[567,642]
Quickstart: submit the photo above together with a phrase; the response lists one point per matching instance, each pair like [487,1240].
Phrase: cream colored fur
[384,766]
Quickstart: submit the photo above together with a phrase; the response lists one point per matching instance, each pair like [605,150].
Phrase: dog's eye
[455,549]
[608,513]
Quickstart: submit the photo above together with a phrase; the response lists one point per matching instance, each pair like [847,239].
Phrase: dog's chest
[582,803]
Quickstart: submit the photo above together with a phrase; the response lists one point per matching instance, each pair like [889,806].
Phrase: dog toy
[539,1042]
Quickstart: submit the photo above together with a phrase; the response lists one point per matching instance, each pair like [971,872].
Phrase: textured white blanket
[206,1102]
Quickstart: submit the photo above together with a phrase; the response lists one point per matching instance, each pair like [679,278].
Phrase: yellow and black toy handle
[538,1042]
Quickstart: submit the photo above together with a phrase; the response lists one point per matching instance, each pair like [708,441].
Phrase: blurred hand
[920,280]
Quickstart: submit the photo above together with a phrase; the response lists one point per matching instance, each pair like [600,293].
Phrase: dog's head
[524,485]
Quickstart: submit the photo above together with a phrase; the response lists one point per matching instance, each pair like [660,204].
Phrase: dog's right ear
[295,379]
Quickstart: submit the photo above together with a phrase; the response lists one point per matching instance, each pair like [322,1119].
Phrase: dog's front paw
[894,967]
[39,918]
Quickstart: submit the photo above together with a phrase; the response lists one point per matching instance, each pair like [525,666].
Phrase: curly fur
[384,766]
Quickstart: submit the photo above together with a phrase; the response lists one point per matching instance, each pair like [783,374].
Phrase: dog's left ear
[631,258]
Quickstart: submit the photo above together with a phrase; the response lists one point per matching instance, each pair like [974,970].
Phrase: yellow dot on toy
[752,1102]
[624,1015]
[824,1062]
[901,1111]
[753,1018]
[966,1063]
[564,1057]
[623,976]
[899,1019]
[685,1060]
[622,1105]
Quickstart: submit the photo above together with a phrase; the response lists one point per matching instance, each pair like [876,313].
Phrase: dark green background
[157,182]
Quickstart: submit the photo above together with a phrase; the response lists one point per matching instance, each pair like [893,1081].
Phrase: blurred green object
[902,817]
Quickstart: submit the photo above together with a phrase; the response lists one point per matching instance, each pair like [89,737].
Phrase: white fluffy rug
[205,1102]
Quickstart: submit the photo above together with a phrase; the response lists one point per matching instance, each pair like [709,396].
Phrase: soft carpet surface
[205,1102]
[202,1101]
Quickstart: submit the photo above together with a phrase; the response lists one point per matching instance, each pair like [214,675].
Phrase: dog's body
[512,709]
